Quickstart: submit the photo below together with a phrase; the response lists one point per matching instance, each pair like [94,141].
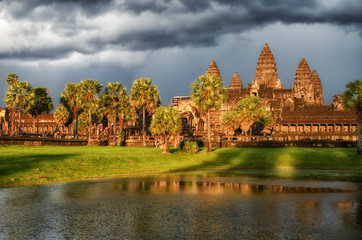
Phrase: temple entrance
[187,121]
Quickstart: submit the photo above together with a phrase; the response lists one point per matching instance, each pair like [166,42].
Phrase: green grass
[24,165]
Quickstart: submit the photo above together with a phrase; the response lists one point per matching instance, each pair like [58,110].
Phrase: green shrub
[190,147]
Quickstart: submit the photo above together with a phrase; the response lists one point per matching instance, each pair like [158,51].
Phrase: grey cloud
[189,23]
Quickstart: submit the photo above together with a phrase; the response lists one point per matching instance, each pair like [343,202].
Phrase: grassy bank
[23,165]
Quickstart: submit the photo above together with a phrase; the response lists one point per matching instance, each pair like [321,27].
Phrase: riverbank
[28,165]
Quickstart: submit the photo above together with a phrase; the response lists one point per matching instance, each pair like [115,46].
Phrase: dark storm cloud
[154,24]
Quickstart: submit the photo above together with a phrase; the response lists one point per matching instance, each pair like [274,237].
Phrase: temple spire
[266,70]
[318,90]
[213,69]
[235,82]
[303,84]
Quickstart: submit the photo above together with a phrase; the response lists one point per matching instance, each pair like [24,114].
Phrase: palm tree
[352,100]
[115,98]
[12,78]
[208,93]
[89,92]
[71,99]
[39,102]
[166,123]
[144,96]
[17,95]
[61,115]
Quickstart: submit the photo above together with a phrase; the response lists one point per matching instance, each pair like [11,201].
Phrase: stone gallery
[298,113]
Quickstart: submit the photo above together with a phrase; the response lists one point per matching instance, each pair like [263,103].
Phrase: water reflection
[182,208]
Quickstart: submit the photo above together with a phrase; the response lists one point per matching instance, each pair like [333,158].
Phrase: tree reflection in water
[177,207]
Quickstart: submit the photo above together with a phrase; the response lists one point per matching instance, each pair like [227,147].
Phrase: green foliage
[83,119]
[89,94]
[145,94]
[229,120]
[71,99]
[246,112]
[249,108]
[40,101]
[266,118]
[61,115]
[115,96]
[83,122]
[208,92]
[18,94]
[190,147]
[352,98]
[11,79]
[165,123]
[114,100]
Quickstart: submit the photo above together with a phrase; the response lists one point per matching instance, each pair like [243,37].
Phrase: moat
[183,207]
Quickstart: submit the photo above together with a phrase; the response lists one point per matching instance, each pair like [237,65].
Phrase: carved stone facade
[296,111]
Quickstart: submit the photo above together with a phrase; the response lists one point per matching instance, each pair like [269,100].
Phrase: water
[175,207]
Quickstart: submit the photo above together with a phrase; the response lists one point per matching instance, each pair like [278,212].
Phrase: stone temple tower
[318,91]
[234,91]
[266,71]
[303,83]
[213,69]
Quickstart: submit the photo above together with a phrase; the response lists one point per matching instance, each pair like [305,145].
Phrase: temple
[298,113]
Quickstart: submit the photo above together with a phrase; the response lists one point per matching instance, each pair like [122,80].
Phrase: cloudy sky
[50,43]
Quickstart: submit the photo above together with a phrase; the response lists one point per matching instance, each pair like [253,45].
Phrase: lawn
[27,165]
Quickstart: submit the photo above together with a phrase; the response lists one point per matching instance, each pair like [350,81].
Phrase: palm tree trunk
[19,121]
[143,126]
[89,125]
[359,128]
[12,121]
[37,124]
[165,145]
[121,126]
[114,127]
[75,128]
[208,131]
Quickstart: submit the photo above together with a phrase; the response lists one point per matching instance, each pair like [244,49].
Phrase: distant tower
[234,91]
[266,70]
[318,90]
[303,83]
[236,82]
[213,69]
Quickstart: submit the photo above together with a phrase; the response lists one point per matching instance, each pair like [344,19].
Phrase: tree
[266,120]
[144,96]
[115,98]
[17,95]
[71,99]
[39,102]
[165,123]
[208,93]
[246,112]
[229,123]
[89,92]
[352,101]
[61,115]
[249,110]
